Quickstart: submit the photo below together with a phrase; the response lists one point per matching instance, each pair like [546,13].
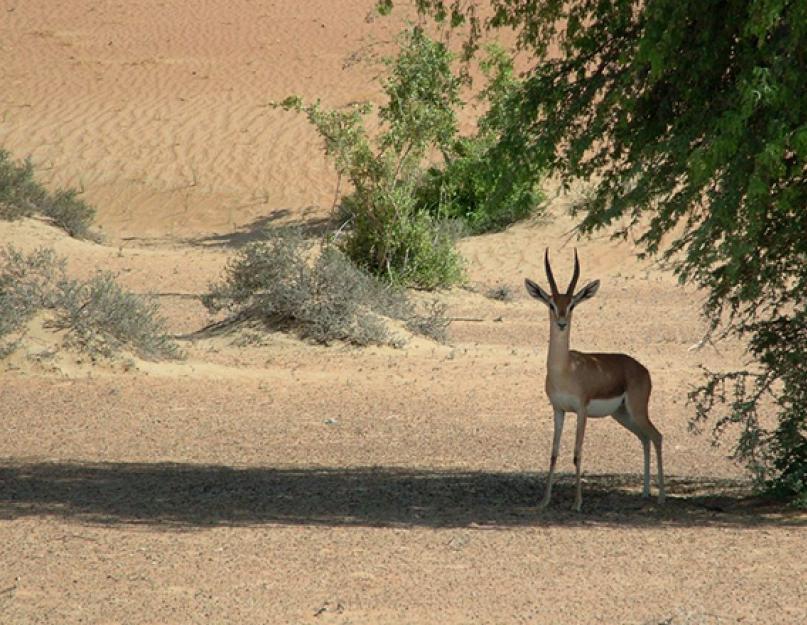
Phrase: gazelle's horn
[549,276]
[575,275]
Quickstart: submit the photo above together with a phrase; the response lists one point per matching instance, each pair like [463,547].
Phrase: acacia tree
[691,117]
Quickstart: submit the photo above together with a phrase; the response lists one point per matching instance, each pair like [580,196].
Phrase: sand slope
[160,110]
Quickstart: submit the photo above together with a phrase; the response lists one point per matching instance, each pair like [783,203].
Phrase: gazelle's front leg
[559,415]
[578,456]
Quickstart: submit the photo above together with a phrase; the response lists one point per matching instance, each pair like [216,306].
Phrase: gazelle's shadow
[189,496]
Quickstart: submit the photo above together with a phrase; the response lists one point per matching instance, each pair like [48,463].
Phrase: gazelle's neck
[558,356]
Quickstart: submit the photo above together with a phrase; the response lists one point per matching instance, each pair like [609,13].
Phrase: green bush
[22,196]
[480,188]
[401,212]
[329,299]
[69,212]
[392,236]
[480,183]
[98,317]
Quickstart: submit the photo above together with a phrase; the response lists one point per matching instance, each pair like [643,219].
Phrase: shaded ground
[199,496]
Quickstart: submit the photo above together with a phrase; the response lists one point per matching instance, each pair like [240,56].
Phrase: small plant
[327,300]
[433,324]
[98,317]
[22,196]
[70,213]
[27,285]
[102,319]
[501,293]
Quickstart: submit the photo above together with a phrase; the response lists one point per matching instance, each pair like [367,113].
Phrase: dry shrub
[326,300]
[97,315]
[501,293]
[22,196]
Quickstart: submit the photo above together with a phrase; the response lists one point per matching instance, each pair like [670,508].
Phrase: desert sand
[293,483]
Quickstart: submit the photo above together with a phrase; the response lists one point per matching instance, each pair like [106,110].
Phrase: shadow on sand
[314,227]
[186,496]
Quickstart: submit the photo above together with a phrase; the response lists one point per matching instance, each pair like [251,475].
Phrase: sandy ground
[290,483]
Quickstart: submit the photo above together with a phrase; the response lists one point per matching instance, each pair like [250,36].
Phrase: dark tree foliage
[691,118]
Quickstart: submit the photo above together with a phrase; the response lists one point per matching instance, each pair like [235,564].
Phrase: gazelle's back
[602,375]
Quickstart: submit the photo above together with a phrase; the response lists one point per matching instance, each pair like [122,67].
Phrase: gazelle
[592,385]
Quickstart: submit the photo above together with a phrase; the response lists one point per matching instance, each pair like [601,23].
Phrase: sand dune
[159,111]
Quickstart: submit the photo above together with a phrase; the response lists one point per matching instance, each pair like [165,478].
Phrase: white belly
[595,408]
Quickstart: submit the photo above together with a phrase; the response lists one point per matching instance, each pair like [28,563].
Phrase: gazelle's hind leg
[578,458]
[622,416]
[636,409]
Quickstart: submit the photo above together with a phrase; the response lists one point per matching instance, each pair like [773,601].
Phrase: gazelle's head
[561,304]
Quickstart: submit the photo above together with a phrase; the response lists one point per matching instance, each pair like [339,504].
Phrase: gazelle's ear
[587,292]
[537,292]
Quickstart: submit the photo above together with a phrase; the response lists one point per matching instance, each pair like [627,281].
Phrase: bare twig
[706,339]
[217,327]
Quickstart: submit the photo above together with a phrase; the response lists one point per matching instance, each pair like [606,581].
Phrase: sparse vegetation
[326,300]
[19,192]
[501,293]
[433,323]
[27,285]
[70,213]
[97,316]
[22,196]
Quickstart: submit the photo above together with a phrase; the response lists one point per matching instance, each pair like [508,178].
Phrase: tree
[691,119]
